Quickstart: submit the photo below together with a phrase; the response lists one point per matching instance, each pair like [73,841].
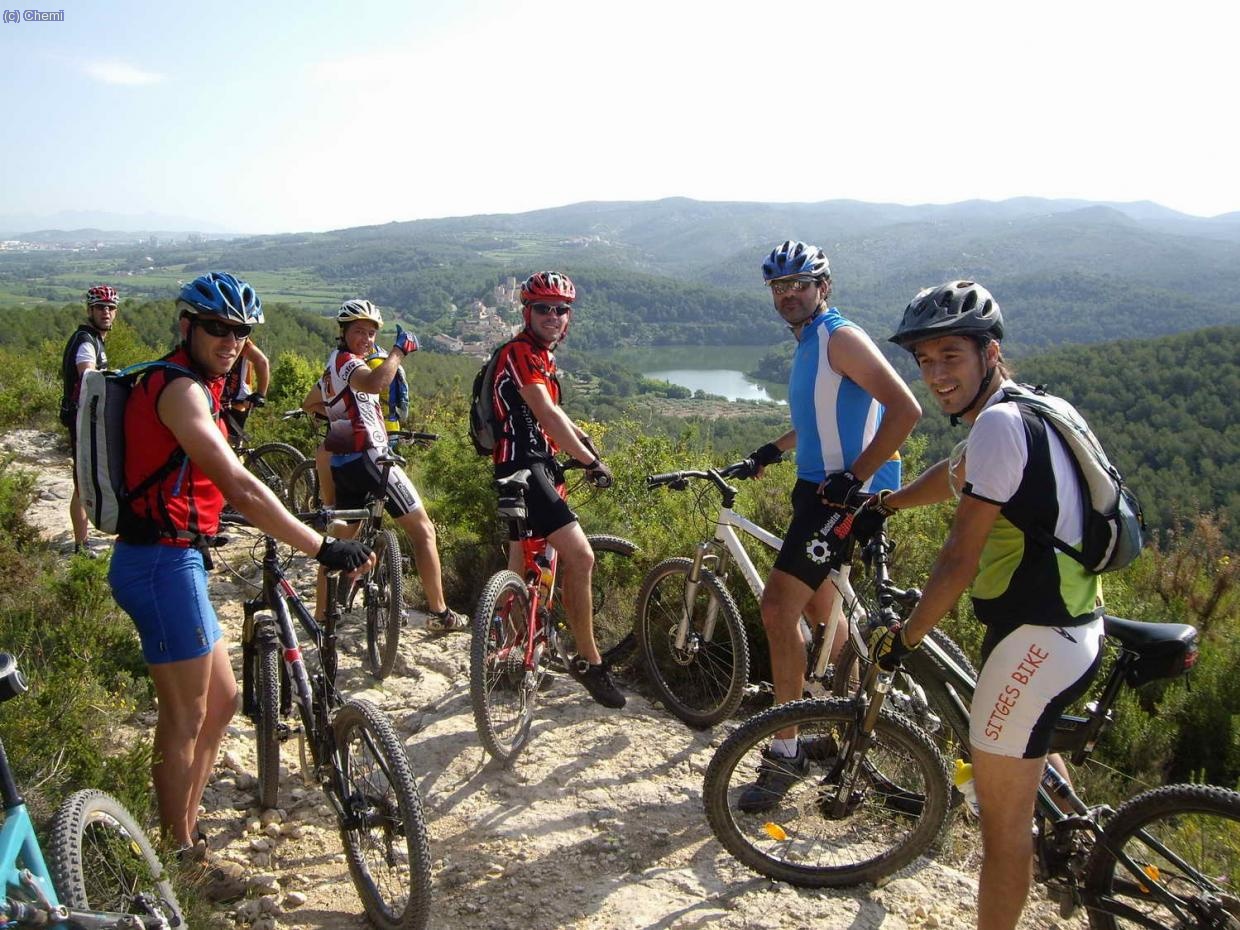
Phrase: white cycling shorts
[1030,677]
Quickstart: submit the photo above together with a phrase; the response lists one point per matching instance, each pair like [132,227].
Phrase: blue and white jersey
[834,417]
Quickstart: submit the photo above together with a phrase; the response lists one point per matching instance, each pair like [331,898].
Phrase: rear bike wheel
[266,678]
[835,822]
[383,826]
[614,583]
[384,597]
[499,688]
[1184,840]
[302,495]
[273,463]
[102,860]
[703,681]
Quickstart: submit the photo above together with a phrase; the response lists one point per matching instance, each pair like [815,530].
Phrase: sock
[784,747]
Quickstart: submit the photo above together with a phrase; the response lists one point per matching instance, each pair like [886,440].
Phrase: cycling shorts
[358,476]
[811,549]
[1029,677]
[164,591]
[546,509]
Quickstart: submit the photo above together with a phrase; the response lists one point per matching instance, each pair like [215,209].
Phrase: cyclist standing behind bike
[532,429]
[850,413]
[348,395]
[239,399]
[1043,630]
[179,463]
[84,351]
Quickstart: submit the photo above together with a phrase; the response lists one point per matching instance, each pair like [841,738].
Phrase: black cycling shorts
[811,548]
[546,510]
[362,477]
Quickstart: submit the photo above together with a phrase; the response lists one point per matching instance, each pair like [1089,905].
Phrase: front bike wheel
[703,681]
[1184,840]
[385,605]
[103,861]
[838,821]
[273,463]
[266,672]
[302,495]
[499,687]
[383,826]
[614,585]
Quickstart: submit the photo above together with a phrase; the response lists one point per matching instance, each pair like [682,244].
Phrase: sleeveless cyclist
[356,420]
[834,417]
[85,345]
[521,440]
[183,506]
[237,383]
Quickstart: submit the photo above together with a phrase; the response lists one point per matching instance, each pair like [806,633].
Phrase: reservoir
[724,382]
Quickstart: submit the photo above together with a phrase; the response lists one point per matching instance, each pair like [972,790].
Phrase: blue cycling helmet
[795,258]
[218,293]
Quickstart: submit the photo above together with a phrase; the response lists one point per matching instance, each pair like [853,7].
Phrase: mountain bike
[383,590]
[519,635]
[102,872]
[1167,857]
[355,754]
[272,462]
[689,630]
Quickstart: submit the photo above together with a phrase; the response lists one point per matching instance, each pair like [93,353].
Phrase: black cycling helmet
[795,258]
[957,308]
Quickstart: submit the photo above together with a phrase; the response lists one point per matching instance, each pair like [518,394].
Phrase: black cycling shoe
[776,775]
[597,680]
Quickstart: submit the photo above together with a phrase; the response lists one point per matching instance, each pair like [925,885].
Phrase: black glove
[839,488]
[257,400]
[599,475]
[889,648]
[344,555]
[767,454]
[870,517]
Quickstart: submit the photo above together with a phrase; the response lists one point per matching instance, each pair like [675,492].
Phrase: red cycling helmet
[101,294]
[547,287]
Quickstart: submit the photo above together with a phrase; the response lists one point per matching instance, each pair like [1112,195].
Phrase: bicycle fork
[692,582]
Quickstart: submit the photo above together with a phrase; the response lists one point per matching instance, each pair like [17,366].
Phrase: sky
[278,116]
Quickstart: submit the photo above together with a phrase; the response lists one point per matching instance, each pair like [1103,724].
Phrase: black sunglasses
[544,309]
[220,330]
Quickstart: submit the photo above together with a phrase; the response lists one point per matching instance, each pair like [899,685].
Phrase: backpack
[397,408]
[100,460]
[483,424]
[68,370]
[1114,524]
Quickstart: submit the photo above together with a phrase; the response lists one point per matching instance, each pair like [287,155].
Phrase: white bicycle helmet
[353,310]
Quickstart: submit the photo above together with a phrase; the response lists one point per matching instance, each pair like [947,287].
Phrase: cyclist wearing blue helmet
[181,469]
[850,413]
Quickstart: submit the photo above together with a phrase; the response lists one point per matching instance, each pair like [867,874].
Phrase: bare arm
[376,380]
[262,368]
[556,422]
[931,487]
[955,568]
[314,402]
[853,354]
[183,409]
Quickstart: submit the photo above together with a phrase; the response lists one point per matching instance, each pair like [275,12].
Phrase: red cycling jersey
[522,440]
[184,504]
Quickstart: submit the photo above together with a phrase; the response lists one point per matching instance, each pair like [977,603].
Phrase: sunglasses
[220,330]
[795,286]
[557,309]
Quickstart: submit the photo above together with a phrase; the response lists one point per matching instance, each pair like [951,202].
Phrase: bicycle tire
[704,682]
[799,840]
[303,488]
[937,714]
[614,585]
[1198,825]
[383,827]
[503,702]
[102,860]
[266,673]
[384,596]
[273,463]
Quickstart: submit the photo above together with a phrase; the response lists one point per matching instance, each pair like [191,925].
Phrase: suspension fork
[704,551]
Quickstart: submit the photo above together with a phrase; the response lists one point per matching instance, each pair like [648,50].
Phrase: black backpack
[483,425]
[69,374]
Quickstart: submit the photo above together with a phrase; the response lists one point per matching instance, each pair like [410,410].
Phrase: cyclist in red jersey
[533,428]
[181,469]
[241,397]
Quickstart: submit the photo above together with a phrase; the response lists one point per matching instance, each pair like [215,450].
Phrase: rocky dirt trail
[598,825]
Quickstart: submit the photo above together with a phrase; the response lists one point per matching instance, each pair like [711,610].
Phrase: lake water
[724,382]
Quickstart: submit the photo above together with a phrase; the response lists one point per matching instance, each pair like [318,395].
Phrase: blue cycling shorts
[164,591]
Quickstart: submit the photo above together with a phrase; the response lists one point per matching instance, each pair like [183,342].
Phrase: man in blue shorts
[180,469]
[1040,607]
[850,413]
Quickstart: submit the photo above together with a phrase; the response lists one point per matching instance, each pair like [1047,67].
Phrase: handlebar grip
[655,481]
[424,437]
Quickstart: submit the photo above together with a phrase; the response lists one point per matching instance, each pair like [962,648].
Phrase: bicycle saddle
[1163,650]
[516,483]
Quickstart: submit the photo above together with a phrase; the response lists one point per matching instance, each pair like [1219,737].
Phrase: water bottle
[963,779]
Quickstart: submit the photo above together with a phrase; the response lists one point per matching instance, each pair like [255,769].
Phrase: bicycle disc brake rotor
[688,655]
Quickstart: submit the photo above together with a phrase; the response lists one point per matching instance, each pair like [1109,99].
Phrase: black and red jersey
[521,440]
